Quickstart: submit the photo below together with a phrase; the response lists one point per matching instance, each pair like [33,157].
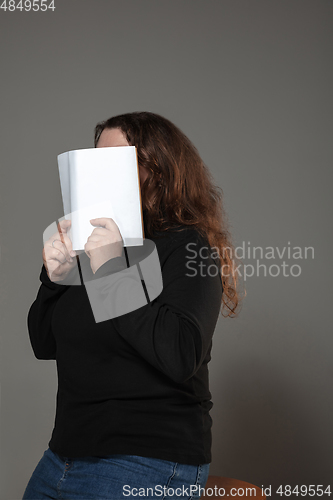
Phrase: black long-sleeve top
[138,383]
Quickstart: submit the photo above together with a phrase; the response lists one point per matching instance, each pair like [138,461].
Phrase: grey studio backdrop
[250,83]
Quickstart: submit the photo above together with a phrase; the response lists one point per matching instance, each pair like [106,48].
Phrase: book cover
[101,182]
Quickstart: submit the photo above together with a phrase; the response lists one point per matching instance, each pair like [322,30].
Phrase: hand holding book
[58,253]
[104,243]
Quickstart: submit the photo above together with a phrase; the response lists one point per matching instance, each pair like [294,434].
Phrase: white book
[101,182]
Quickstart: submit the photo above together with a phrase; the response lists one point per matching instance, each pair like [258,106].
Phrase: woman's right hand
[57,259]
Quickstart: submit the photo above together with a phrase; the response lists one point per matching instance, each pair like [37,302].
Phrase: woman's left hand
[104,243]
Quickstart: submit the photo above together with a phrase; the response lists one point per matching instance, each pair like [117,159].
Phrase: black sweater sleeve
[40,315]
[174,332]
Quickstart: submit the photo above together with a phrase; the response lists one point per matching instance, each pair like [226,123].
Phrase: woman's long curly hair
[179,189]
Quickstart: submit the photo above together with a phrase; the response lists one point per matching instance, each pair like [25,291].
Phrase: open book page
[101,182]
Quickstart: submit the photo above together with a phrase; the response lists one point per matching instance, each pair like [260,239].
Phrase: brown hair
[179,189]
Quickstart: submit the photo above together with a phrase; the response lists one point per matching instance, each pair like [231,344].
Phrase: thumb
[99,221]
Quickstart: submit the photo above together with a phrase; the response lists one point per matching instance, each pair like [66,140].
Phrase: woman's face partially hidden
[113,137]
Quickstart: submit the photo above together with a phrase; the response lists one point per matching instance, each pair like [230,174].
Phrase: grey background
[250,83]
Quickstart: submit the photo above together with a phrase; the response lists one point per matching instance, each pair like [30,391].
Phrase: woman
[133,397]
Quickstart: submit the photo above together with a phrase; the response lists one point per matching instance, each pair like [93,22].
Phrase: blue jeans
[114,477]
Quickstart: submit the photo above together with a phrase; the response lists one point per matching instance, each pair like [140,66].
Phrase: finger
[106,222]
[65,225]
[69,245]
[100,231]
[62,226]
[55,236]
[60,252]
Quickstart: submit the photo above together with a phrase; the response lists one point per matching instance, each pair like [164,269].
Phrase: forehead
[111,138]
